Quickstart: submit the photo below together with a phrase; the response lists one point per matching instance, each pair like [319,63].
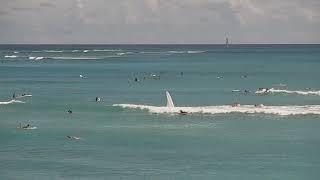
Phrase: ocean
[131,134]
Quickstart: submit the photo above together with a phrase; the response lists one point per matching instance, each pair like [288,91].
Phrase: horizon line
[158,44]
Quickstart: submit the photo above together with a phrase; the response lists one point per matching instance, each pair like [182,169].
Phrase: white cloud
[157,21]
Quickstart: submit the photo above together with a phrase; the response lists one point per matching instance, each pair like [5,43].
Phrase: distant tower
[227,42]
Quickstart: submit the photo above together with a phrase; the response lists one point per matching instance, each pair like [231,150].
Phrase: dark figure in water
[182,112]
[246,91]
[14,96]
[69,111]
[136,79]
[27,126]
[181,73]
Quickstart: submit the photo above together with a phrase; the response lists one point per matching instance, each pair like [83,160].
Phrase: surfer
[14,96]
[27,126]
[246,91]
[183,112]
[244,76]
[258,105]
[235,105]
[69,111]
[73,137]
[136,79]
[263,91]
[98,99]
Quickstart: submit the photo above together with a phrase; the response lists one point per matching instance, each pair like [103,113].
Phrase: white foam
[177,52]
[53,51]
[295,92]
[108,50]
[23,96]
[10,56]
[195,52]
[10,102]
[30,128]
[248,109]
[272,90]
[38,58]
[35,58]
[124,53]
[74,58]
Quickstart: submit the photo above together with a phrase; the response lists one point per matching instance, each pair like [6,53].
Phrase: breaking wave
[272,90]
[53,51]
[247,109]
[10,102]
[195,52]
[74,58]
[36,58]
[295,92]
[10,56]
[107,50]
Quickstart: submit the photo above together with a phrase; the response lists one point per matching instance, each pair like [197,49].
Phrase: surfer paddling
[181,112]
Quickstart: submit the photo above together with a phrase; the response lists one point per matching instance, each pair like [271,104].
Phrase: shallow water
[125,143]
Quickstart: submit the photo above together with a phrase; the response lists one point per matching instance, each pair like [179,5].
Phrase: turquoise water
[124,143]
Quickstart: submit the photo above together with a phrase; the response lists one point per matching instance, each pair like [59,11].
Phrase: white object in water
[263,90]
[28,128]
[38,58]
[24,95]
[169,100]
[82,76]
[73,137]
[10,56]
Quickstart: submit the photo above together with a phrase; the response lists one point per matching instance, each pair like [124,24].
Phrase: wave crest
[295,92]
[247,109]
[10,102]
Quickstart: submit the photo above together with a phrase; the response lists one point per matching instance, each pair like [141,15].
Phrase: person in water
[14,96]
[70,111]
[183,112]
[27,126]
[235,105]
[258,105]
[73,137]
[98,99]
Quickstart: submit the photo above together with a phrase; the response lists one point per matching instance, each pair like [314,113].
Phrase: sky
[159,21]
